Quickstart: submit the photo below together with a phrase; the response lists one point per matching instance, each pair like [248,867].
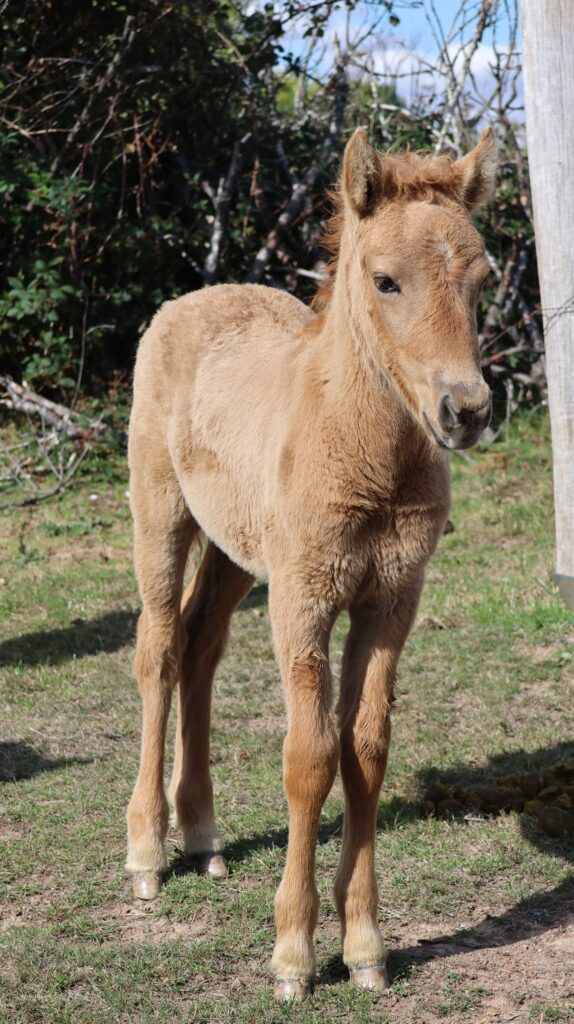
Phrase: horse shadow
[108,633]
[18,762]
[105,634]
[535,914]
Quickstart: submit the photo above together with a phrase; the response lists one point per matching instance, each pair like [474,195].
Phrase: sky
[403,47]
[414,26]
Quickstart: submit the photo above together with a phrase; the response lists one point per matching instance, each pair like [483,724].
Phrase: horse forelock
[409,176]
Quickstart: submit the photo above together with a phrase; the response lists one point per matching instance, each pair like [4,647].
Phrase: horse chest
[395,548]
[404,545]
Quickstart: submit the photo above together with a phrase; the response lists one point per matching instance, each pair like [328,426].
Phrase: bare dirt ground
[516,968]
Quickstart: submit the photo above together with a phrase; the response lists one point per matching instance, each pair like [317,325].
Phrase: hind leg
[207,608]
[163,530]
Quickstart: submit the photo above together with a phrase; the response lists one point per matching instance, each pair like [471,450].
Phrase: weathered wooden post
[548,63]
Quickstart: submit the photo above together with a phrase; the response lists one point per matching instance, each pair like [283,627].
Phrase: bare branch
[126,41]
[33,499]
[457,81]
[221,201]
[301,190]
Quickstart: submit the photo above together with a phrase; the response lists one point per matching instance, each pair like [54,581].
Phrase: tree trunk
[548,55]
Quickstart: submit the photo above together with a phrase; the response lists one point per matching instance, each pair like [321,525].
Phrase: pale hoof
[147,885]
[374,977]
[292,989]
[213,864]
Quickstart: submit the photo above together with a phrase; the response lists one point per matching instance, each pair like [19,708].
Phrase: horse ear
[476,172]
[363,174]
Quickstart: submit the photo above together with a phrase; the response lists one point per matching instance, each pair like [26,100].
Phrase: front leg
[310,755]
[373,647]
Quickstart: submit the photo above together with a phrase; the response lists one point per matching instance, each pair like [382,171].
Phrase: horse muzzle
[461,415]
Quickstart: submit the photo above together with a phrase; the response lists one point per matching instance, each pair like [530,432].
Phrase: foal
[309,449]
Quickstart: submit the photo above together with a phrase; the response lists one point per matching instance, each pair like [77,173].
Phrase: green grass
[485,687]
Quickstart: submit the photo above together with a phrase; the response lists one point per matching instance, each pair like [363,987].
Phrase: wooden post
[548,64]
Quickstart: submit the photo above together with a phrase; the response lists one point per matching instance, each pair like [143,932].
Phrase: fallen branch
[22,399]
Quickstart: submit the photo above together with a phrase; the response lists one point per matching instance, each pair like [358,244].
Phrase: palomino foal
[309,449]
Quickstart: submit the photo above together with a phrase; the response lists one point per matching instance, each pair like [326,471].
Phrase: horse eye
[386,285]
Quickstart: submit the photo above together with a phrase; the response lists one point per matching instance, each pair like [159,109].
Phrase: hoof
[213,864]
[292,989]
[372,976]
[147,885]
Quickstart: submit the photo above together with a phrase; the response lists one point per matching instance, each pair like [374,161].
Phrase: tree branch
[221,201]
[126,41]
[302,188]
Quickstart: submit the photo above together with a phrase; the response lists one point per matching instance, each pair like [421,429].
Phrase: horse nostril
[448,413]
[485,410]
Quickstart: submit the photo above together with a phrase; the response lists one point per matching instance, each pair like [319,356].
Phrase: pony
[308,447]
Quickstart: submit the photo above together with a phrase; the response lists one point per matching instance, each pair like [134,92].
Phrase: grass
[485,688]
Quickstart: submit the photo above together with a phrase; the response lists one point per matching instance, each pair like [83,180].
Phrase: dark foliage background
[148,149]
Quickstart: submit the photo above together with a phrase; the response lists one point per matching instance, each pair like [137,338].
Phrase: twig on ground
[33,499]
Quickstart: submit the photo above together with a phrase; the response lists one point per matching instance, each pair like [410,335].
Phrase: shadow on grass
[19,761]
[532,916]
[391,814]
[106,634]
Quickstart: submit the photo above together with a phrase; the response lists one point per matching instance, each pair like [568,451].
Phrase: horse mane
[409,175]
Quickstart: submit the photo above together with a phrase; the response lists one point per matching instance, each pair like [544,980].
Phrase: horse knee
[158,651]
[364,750]
[311,756]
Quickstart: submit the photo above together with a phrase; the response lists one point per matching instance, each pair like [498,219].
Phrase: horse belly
[226,516]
